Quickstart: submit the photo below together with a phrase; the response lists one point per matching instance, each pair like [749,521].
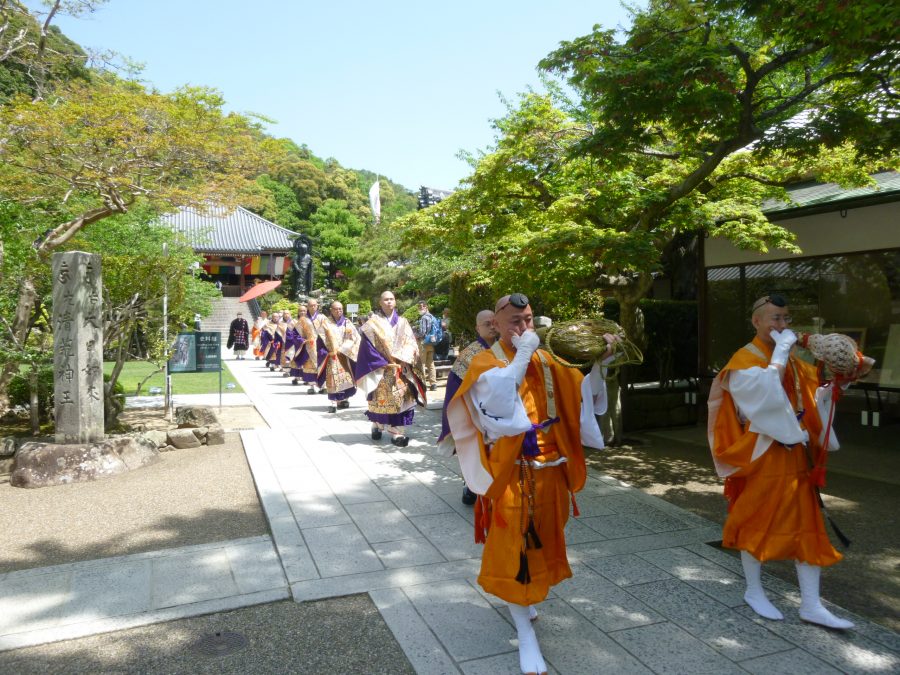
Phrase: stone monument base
[44,464]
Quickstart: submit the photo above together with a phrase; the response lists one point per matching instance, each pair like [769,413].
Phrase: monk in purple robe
[388,370]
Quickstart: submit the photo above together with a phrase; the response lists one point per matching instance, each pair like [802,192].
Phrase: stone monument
[81,451]
[78,347]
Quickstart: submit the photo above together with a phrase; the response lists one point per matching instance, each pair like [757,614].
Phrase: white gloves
[525,345]
[783,343]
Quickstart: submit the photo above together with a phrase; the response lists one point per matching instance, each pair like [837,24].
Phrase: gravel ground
[866,581]
[193,496]
[339,635]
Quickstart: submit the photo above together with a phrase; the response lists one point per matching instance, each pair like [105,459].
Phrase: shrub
[20,392]
[467,298]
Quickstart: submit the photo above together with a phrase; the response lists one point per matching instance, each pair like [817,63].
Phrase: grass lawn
[182,383]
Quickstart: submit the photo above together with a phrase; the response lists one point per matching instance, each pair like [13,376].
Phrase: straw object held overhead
[580,343]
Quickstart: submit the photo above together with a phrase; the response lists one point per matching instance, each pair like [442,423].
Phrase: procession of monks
[326,352]
[520,420]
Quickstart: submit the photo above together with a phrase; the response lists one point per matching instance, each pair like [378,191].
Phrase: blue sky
[396,87]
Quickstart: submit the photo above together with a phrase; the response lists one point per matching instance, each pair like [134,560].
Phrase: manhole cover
[220,644]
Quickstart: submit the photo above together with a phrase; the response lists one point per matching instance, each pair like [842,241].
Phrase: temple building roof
[225,232]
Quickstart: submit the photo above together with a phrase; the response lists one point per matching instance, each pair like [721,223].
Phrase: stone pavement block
[590,505]
[184,579]
[354,488]
[453,498]
[596,487]
[422,649]
[717,625]
[450,533]
[112,590]
[297,563]
[414,499]
[704,575]
[381,471]
[256,567]
[848,651]
[573,645]
[339,550]
[407,553]
[626,570]
[578,533]
[394,578]
[303,481]
[603,603]
[117,623]
[287,455]
[503,664]
[465,624]
[649,542]
[792,662]
[317,510]
[615,527]
[641,512]
[381,521]
[33,602]
[665,648]
[434,475]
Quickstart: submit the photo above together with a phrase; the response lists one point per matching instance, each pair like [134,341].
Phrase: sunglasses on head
[517,300]
[773,299]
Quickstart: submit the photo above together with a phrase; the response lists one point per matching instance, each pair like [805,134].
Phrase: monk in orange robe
[519,421]
[767,420]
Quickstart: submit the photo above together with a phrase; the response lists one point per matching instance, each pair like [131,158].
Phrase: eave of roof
[813,198]
[223,232]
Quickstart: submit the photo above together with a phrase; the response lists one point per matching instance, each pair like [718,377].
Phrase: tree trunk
[632,321]
[21,323]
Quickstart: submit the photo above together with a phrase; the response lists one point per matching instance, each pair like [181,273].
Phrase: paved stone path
[348,515]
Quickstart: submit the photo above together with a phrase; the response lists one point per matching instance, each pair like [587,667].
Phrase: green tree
[335,232]
[96,150]
[684,123]
[34,54]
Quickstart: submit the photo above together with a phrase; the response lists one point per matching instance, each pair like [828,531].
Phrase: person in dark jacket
[239,336]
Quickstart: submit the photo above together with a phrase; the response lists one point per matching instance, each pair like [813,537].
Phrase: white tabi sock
[755,596]
[811,608]
[530,658]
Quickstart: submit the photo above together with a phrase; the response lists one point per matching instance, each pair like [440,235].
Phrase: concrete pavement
[348,515]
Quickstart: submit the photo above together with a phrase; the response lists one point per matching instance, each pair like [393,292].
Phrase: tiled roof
[824,195]
[238,231]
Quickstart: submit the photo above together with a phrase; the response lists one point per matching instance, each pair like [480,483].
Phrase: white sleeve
[593,403]
[495,398]
[760,398]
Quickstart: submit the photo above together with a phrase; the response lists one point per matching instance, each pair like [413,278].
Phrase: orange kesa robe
[503,508]
[774,513]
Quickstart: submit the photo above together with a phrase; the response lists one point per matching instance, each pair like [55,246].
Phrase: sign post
[198,352]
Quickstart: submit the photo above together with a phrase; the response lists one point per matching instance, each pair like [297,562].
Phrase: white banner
[375,200]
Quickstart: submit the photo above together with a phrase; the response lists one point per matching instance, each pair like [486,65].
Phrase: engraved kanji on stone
[93,393]
[65,373]
[91,320]
[94,297]
[88,272]
[66,397]
[64,322]
[65,347]
[63,276]
[91,369]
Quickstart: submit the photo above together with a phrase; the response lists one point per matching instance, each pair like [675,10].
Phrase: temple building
[239,247]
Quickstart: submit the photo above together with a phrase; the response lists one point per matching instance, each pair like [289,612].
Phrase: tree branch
[759,179]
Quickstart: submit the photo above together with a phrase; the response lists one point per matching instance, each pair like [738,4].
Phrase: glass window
[855,294]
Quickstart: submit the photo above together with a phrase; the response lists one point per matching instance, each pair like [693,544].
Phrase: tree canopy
[685,122]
